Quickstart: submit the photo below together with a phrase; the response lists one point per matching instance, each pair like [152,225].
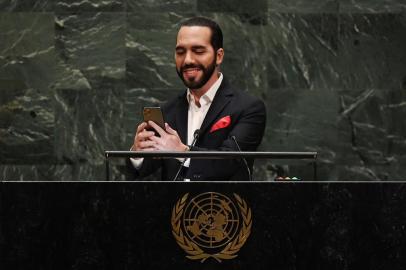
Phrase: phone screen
[154,114]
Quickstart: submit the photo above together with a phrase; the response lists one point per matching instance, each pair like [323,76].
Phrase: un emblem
[211,225]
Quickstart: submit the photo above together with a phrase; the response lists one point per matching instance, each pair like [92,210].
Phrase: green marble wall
[74,76]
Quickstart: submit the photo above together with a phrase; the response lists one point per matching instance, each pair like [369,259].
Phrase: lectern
[202,225]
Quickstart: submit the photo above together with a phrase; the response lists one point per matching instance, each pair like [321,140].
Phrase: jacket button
[197,176]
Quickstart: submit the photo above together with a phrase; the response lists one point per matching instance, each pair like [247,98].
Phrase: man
[210,104]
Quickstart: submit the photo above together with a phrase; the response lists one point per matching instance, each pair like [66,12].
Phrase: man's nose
[189,59]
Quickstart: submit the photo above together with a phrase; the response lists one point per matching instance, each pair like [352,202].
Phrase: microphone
[196,135]
[243,158]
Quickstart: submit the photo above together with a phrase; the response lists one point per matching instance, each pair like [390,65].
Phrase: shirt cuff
[187,163]
[137,162]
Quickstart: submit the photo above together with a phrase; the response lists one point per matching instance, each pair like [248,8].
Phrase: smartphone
[154,114]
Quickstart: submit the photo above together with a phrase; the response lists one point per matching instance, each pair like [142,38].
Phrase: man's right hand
[142,140]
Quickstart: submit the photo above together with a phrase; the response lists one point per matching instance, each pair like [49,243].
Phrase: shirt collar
[209,95]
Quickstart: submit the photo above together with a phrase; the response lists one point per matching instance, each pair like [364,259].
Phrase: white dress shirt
[196,115]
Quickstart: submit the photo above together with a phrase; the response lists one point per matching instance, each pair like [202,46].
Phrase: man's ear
[220,56]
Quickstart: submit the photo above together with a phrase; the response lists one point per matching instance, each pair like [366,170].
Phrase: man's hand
[169,140]
[142,139]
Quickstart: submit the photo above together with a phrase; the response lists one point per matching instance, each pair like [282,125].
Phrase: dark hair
[216,33]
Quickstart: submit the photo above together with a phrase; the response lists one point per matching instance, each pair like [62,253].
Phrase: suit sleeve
[148,167]
[248,130]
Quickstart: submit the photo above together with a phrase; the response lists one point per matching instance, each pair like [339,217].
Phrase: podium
[132,225]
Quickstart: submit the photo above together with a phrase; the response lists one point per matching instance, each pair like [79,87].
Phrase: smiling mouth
[191,71]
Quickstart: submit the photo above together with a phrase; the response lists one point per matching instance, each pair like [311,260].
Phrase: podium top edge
[211,154]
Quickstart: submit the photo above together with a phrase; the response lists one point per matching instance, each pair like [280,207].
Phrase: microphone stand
[195,137]
[243,158]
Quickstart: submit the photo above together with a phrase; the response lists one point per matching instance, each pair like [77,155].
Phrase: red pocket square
[222,123]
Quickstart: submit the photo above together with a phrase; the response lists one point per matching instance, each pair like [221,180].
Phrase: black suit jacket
[248,118]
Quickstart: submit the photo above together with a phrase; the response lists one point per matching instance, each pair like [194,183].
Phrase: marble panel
[372,54]
[90,6]
[92,44]
[84,132]
[245,43]
[302,104]
[372,6]
[304,6]
[236,6]
[26,5]
[26,75]
[145,6]
[90,90]
[38,172]
[302,51]
[372,145]
[150,43]
[372,99]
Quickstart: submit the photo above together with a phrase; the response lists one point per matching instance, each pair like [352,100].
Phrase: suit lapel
[221,99]
[181,118]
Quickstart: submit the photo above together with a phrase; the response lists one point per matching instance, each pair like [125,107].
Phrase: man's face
[194,56]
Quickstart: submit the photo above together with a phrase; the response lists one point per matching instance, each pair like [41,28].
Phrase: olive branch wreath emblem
[194,251]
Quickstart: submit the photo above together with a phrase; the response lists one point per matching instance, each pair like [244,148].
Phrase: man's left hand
[169,140]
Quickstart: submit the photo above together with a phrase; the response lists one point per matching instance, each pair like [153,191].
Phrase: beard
[194,83]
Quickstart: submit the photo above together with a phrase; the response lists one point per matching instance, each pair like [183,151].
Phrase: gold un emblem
[210,225]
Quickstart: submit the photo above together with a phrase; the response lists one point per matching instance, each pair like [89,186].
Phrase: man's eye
[199,51]
[180,52]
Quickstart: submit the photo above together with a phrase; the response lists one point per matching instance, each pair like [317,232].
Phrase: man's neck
[198,93]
